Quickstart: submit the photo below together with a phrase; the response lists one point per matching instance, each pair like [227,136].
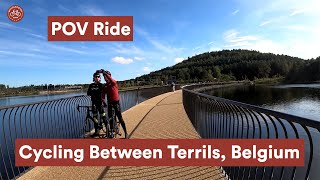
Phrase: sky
[165,32]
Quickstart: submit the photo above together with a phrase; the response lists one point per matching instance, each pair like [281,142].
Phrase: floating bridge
[159,113]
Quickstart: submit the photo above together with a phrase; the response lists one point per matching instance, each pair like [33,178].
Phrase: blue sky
[165,32]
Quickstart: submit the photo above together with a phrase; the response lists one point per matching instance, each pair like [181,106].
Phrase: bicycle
[107,131]
[87,126]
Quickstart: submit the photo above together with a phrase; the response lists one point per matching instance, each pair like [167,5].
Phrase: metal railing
[52,119]
[215,117]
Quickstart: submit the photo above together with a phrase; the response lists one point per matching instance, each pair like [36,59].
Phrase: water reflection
[230,123]
[300,100]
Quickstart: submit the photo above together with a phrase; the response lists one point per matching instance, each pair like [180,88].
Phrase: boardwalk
[160,117]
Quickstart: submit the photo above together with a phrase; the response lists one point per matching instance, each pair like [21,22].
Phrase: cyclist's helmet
[95,74]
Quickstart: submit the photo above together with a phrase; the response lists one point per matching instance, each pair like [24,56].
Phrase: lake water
[7,101]
[300,99]
[297,99]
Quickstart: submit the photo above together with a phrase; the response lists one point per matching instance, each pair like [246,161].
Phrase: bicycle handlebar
[84,106]
[78,107]
[88,107]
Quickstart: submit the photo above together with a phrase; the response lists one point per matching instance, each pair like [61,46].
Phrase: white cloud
[266,45]
[25,54]
[265,23]
[33,62]
[297,11]
[235,12]
[139,58]
[146,69]
[232,36]
[237,44]
[41,46]
[294,31]
[234,40]
[35,49]
[278,8]
[11,26]
[156,43]
[127,49]
[203,46]
[37,35]
[296,28]
[64,9]
[65,49]
[178,60]
[92,10]
[198,47]
[298,47]
[122,60]
[7,25]
[215,49]
[162,47]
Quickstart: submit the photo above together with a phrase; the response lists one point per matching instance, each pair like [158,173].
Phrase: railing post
[248,121]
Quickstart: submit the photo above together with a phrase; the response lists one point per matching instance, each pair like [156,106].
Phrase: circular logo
[15,13]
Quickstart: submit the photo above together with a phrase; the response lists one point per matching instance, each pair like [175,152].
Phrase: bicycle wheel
[90,123]
[86,127]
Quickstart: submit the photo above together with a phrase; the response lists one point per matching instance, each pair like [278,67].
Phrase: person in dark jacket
[113,99]
[94,91]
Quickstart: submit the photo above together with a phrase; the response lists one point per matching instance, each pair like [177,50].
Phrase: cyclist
[111,89]
[95,89]
[173,86]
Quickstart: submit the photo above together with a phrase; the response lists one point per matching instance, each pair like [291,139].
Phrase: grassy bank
[4,94]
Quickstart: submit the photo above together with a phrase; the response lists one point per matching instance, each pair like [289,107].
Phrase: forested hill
[237,65]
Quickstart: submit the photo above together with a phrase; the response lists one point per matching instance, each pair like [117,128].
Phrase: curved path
[160,117]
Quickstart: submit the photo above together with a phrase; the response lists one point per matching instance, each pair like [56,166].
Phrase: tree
[232,64]
[216,72]
[210,77]
[2,87]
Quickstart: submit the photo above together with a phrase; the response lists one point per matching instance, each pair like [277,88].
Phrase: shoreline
[40,93]
[266,81]
[58,92]
[66,91]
